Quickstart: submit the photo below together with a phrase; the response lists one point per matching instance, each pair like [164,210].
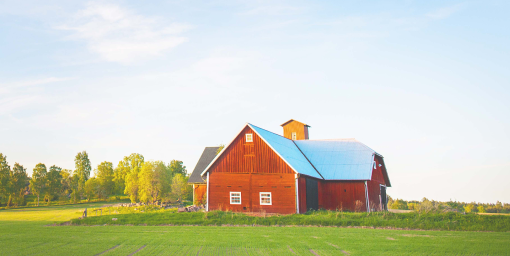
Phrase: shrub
[413,220]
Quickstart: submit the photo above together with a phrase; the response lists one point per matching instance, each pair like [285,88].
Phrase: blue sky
[424,83]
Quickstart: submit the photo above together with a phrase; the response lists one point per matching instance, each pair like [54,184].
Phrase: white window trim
[236,196]
[250,136]
[270,198]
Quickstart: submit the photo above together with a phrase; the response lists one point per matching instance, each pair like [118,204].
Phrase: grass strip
[425,221]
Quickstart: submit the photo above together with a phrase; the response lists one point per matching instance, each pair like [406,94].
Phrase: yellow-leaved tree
[154,182]
[146,186]
[134,163]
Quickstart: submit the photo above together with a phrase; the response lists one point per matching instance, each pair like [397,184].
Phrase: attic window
[294,136]
[249,137]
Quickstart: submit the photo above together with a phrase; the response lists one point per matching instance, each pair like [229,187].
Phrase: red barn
[263,171]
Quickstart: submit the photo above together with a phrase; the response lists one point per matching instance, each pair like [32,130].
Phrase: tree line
[143,181]
[426,205]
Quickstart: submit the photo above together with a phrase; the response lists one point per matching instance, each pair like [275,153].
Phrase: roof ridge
[276,142]
[368,147]
[308,160]
[349,139]
[354,139]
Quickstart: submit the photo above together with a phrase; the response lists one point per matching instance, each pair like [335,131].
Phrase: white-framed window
[294,136]
[235,197]
[265,198]
[249,137]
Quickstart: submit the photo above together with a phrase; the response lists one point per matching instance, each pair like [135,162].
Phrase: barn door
[384,200]
[312,194]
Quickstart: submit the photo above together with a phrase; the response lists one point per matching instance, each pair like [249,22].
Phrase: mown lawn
[26,232]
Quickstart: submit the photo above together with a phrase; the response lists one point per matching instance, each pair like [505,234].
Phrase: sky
[424,83]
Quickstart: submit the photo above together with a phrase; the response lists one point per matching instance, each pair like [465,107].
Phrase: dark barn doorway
[312,194]
[384,199]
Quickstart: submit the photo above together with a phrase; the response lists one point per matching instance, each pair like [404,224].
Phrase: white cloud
[11,104]
[9,87]
[120,35]
[19,95]
[444,12]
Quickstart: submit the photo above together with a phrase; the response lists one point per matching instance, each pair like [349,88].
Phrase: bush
[414,220]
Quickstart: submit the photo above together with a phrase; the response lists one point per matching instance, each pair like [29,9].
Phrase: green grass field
[28,231]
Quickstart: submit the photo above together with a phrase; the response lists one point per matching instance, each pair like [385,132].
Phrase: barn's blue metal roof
[288,151]
[343,159]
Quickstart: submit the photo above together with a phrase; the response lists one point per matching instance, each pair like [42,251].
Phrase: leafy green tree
[180,187]
[38,181]
[105,176]
[481,209]
[177,167]
[75,186]
[426,205]
[133,165]
[399,204]
[469,208]
[412,206]
[68,185]
[163,180]
[53,183]
[119,177]
[17,185]
[83,167]
[154,181]
[5,171]
[91,187]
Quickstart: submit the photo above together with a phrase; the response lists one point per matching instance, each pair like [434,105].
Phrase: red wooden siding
[374,190]
[200,192]
[334,195]
[250,157]
[302,194]
[281,186]
[253,167]
[341,195]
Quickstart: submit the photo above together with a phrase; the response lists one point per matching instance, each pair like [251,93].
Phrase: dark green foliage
[430,221]
[17,185]
[53,183]
[38,181]
[5,171]
[177,167]
[82,168]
